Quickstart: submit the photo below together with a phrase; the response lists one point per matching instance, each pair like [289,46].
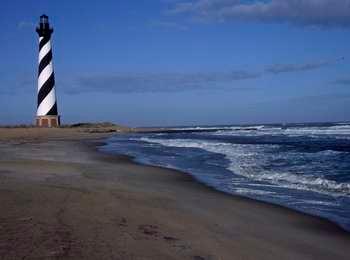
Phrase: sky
[181,62]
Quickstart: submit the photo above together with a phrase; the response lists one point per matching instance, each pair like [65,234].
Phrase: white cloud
[320,13]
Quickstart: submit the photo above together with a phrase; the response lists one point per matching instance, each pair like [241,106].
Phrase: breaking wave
[244,160]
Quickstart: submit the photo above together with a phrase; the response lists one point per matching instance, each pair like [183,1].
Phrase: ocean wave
[316,202]
[338,131]
[217,128]
[313,132]
[329,152]
[246,191]
[245,128]
[199,128]
[340,126]
[319,131]
[247,160]
[303,182]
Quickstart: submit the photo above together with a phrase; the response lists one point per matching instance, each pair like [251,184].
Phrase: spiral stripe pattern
[47,104]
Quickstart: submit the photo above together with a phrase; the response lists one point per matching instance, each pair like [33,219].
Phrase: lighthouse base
[48,121]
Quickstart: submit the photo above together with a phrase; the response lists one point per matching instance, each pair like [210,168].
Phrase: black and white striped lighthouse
[47,114]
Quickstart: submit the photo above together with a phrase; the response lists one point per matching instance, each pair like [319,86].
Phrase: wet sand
[60,198]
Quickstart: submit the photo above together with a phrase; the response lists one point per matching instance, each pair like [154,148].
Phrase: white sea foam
[199,128]
[341,126]
[224,129]
[342,131]
[328,152]
[247,160]
[316,202]
[333,130]
[304,182]
[253,192]
[245,128]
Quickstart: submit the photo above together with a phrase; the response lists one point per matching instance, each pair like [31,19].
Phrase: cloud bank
[343,81]
[161,82]
[285,68]
[178,82]
[319,13]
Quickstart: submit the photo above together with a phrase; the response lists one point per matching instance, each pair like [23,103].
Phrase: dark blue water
[301,166]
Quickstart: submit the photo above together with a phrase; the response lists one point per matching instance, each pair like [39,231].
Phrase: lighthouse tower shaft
[47,114]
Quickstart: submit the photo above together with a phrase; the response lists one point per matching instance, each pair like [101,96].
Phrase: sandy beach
[60,198]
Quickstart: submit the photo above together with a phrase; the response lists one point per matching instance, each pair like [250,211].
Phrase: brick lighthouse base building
[48,121]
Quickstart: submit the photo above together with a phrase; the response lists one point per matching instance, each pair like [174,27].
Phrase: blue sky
[181,62]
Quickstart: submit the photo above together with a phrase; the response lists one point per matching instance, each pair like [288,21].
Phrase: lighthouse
[47,114]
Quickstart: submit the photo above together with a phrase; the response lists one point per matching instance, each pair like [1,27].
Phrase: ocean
[305,167]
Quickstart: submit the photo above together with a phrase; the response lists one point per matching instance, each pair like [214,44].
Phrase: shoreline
[62,198]
[133,160]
